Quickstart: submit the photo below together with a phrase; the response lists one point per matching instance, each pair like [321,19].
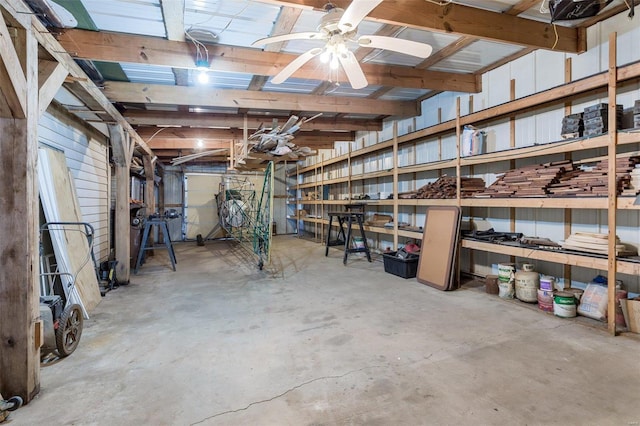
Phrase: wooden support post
[512,163]
[567,156]
[472,263]
[396,210]
[19,289]
[458,135]
[122,244]
[612,183]
[149,193]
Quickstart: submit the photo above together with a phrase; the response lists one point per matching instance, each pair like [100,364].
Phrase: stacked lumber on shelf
[527,181]
[379,220]
[593,182]
[445,187]
[596,243]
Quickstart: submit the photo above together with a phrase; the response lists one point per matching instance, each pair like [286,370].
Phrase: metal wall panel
[88,161]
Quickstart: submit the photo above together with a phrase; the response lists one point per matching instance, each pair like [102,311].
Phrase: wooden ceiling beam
[173,14]
[201,119]
[115,47]
[521,6]
[466,20]
[209,97]
[447,51]
[178,133]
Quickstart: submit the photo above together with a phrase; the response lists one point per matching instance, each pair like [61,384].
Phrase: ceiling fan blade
[292,36]
[353,70]
[295,64]
[408,47]
[355,13]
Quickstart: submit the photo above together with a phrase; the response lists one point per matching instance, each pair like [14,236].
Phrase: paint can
[547,283]
[545,300]
[527,282]
[564,304]
[491,284]
[358,242]
[577,293]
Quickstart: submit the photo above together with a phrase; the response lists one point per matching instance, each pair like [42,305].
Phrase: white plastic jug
[472,141]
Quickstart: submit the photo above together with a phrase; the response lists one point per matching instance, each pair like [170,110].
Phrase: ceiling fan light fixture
[334,64]
[325,56]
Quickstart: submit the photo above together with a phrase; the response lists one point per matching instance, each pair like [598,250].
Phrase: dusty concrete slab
[312,342]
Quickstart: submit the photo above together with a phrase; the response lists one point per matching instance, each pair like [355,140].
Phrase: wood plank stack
[445,187]
[527,181]
[593,182]
[596,243]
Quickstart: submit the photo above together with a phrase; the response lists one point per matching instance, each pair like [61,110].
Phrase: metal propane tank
[527,284]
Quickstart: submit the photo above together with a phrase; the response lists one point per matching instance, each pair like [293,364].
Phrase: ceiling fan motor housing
[330,20]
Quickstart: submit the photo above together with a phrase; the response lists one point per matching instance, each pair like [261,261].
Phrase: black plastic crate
[404,268]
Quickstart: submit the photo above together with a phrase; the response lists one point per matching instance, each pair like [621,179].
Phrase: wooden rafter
[185,138]
[113,47]
[447,51]
[521,6]
[173,95]
[173,14]
[466,20]
[13,83]
[51,75]
[155,118]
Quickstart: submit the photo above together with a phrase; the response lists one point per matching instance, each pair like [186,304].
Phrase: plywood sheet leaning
[441,235]
[60,204]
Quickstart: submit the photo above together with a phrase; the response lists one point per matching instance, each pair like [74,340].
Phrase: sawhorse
[162,224]
[347,218]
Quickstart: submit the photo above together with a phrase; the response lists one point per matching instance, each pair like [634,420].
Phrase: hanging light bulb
[325,56]
[334,62]
[203,77]
[202,65]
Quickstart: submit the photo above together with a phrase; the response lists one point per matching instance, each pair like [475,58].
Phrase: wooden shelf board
[572,259]
[428,202]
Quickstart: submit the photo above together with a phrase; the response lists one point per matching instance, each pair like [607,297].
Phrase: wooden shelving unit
[607,82]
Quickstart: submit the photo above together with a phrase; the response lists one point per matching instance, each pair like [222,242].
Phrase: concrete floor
[316,343]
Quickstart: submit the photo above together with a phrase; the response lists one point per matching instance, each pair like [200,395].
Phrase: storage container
[404,268]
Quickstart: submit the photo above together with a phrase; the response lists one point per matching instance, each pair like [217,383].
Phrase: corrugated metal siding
[88,162]
[173,199]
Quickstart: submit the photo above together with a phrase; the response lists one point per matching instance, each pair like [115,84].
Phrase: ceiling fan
[337,28]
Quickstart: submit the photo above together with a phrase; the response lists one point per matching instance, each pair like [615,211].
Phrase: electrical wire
[198,46]
[555,31]
[542,8]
